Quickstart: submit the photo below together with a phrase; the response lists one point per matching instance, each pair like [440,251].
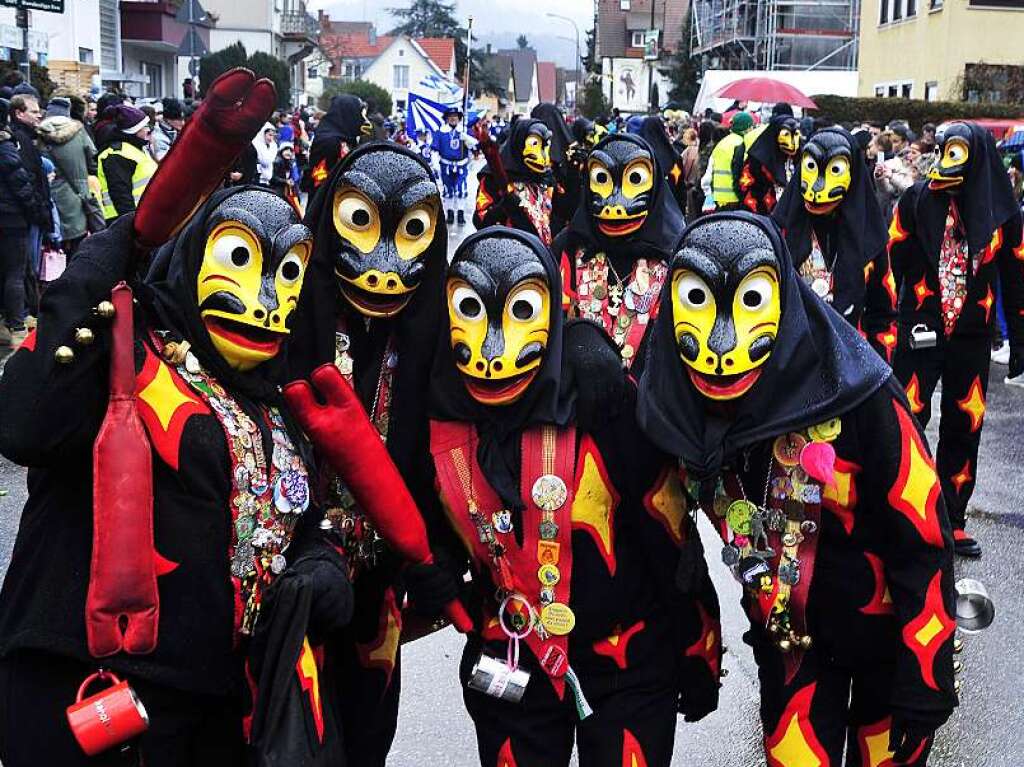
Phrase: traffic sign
[48,6]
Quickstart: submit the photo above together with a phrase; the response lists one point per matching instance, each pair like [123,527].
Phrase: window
[892,91]
[906,89]
[911,8]
[400,105]
[401,79]
[883,13]
[935,5]
[636,38]
[879,91]
[623,5]
[897,10]
[931,91]
[85,55]
[153,89]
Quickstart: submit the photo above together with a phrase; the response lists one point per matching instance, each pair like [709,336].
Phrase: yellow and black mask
[788,137]
[500,306]
[253,263]
[726,306]
[622,182]
[526,150]
[384,211]
[952,157]
[826,170]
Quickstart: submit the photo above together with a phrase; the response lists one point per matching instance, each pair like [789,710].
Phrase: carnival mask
[825,171]
[499,304]
[725,306]
[788,139]
[620,184]
[249,282]
[953,160]
[385,209]
[537,148]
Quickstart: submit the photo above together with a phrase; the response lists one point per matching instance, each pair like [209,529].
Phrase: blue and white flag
[430,98]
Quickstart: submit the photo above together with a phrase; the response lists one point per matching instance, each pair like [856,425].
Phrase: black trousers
[13,265]
[962,365]
[826,709]
[634,714]
[185,729]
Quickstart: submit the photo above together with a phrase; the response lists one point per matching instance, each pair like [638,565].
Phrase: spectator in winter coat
[167,127]
[25,118]
[69,147]
[21,207]
[266,153]
[124,166]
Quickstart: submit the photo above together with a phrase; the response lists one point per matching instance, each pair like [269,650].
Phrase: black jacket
[33,164]
[119,172]
[20,205]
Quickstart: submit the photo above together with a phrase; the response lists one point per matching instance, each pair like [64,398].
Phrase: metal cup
[975,610]
[493,677]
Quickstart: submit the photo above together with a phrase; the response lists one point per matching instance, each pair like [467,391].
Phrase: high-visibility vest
[145,167]
[722,187]
[753,135]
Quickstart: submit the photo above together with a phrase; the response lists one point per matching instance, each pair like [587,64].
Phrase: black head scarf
[561,137]
[765,148]
[512,152]
[856,230]
[169,292]
[652,130]
[654,239]
[395,170]
[344,120]
[985,200]
[819,367]
[544,402]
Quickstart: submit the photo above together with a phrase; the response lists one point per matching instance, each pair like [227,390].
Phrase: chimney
[373,35]
[488,49]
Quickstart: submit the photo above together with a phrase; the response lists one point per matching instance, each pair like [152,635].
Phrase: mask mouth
[938,183]
[496,392]
[259,340]
[619,226]
[725,386]
[374,304]
[820,209]
[534,164]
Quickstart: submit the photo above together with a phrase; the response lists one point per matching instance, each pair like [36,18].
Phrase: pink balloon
[818,459]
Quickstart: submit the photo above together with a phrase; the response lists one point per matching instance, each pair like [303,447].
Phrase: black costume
[840,250]
[526,485]
[566,170]
[614,254]
[372,308]
[526,204]
[950,238]
[652,130]
[812,468]
[337,134]
[231,505]
[768,168]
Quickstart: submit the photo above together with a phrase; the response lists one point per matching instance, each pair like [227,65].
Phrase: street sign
[190,12]
[48,6]
[192,44]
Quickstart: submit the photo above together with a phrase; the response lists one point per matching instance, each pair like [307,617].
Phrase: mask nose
[492,350]
[722,345]
[267,312]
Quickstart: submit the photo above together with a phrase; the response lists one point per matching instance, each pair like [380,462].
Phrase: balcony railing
[299,24]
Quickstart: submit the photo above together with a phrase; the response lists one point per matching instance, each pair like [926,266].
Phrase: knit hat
[127,119]
[741,122]
[172,109]
[782,108]
[58,107]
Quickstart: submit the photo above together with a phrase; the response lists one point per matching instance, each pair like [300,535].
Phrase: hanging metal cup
[975,610]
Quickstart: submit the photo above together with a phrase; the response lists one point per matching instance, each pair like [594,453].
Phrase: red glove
[342,432]
[235,107]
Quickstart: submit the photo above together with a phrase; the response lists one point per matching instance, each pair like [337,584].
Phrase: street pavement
[986,731]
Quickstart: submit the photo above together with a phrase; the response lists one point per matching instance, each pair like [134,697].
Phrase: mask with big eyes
[385,208]
[499,312]
[826,171]
[620,184]
[537,148]
[953,158]
[788,139]
[254,261]
[726,305]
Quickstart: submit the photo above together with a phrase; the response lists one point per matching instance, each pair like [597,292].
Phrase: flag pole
[469,63]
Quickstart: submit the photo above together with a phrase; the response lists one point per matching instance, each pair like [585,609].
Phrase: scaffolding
[775,34]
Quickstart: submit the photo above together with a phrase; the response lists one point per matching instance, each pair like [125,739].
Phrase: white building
[68,43]
[403,63]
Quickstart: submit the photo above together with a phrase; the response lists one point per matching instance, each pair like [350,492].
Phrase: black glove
[430,587]
[907,736]
[324,571]
[593,366]
[1016,361]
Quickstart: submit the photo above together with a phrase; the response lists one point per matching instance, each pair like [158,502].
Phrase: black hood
[765,148]
[819,367]
[561,137]
[659,232]
[652,130]
[344,120]
[856,229]
[512,151]
[497,249]
[170,294]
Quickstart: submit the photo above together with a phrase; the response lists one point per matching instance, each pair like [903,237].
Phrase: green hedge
[213,65]
[915,111]
[378,100]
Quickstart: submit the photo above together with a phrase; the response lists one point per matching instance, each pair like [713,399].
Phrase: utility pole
[469,64]
[23,20]
[576,29]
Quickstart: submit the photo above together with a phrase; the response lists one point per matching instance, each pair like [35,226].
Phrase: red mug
[108,718]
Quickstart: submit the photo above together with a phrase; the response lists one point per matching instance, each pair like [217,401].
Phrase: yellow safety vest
[145,167]
[722,188]
[753,135]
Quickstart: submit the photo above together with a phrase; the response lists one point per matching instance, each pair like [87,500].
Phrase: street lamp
[576,90]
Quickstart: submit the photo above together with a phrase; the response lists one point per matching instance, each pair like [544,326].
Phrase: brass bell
[956,686]
[105,309]
[957,667]
[958,645]
[806,642]
[84,336]
[774,628]
[785,645]
[64,355]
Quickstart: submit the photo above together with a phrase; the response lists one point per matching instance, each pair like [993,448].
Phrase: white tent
[809,81]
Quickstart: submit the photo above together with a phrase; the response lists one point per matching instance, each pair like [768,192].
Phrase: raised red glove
[235,107]
[342,432]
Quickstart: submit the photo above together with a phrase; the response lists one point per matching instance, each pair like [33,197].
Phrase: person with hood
[952,236]
[615,251]
[454,145]
[519,191]
[836,235]
[771,150]
[652,130]
[567,174]
[265,145]
[67,144]
[800,446]
[124,166]
[572,530]
[337,134]
[285,175]
[169,123]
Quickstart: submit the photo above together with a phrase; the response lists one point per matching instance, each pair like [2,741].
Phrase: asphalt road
[986,731]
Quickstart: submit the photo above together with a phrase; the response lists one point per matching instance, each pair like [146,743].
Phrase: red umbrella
[766,91]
